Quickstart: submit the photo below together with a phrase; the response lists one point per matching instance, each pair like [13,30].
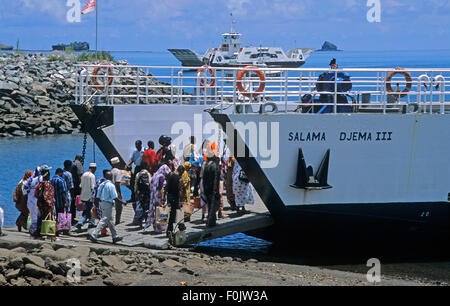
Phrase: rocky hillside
[35,90]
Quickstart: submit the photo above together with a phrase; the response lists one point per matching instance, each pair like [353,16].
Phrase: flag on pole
[90,7]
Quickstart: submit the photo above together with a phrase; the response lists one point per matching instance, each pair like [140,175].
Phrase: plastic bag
[162,215]
[126,178]
[64,221]
[48,226]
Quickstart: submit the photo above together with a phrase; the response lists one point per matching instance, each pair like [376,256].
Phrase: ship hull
[400,184]
[364,196]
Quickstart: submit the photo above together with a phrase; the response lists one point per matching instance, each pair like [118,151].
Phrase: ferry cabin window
[263,55]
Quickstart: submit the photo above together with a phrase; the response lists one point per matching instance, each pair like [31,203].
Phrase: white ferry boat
[232,54]
[323,148]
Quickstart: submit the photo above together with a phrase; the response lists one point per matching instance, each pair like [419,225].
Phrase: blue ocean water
[21,154]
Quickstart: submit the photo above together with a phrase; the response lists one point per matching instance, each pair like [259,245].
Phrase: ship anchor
[305,175]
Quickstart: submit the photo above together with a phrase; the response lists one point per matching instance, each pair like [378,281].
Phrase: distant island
[327,46]
[5,47]
[75,46]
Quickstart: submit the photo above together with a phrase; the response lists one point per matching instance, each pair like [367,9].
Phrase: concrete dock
[256,218]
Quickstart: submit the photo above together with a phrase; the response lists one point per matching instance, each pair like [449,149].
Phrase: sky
[156,25]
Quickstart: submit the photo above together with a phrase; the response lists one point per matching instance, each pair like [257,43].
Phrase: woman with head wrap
[20,198]
[29,188]
[242,188]
[157,185]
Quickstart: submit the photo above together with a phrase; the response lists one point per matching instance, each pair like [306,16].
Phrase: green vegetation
[92,57]
[76,46]
[56,58]
[69,50]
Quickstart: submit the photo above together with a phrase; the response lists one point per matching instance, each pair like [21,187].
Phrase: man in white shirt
[87,186]
[116,180]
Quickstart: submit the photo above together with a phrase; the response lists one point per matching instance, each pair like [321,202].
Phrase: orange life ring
[248,70]
[97,84]
[408,79]
[202,81]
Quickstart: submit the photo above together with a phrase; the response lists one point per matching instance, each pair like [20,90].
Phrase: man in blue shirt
[107,195]
[136,159]
[62,198]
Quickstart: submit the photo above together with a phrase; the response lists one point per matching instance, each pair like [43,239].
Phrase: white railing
[300,90]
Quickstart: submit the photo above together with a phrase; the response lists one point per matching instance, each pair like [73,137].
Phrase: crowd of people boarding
[159,180]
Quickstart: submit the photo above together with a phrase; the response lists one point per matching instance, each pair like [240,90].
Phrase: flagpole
[96,30]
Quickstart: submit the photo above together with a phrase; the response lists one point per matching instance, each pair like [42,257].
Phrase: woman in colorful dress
[157,185]
[185,183]
[242,189]
[21,199]
[45,195]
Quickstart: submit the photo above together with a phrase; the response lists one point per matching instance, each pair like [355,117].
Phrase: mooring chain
[83,154]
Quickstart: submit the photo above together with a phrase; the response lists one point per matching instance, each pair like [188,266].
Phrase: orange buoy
[97,84]
[408,79]
[248,70]
[202,81]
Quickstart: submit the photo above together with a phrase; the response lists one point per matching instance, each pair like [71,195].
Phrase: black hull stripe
[94,123]
[258,178]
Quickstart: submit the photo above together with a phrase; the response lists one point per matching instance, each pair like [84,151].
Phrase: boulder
[6,86]
[64,254]
[117,281]
[171,263]
[16,262]
[11,127]
[114,262]
[19,133]
[33,281]
[37,272]
[35,260]
[20,282]
[39,89]
[3,280]
[82,251]
[40,130]
[5,253]
[54,267]
[12,274]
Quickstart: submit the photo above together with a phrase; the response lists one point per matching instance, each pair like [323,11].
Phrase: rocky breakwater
[34,96]
[36,90]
